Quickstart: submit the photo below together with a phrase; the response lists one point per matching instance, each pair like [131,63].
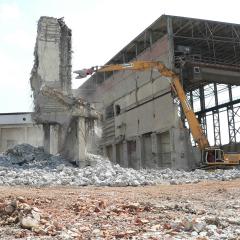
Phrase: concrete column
[139,151]
[104,151]
[26,134]
[114,153]
[54,136]
[170,43]
[154,149]
[46,138]
[183,156]
[81,138]
[125,154]
[174,144]
[154,142]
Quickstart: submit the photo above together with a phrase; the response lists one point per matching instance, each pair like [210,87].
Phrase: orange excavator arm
[195,128]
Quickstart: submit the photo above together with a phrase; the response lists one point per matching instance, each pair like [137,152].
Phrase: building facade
[143,126]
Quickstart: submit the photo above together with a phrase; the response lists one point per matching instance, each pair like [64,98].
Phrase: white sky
[100,29]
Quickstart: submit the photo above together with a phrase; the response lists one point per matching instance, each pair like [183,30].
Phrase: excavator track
[219,166]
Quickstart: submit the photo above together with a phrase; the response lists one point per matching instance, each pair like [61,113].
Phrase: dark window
[117,109]
[109,113]
[196,69]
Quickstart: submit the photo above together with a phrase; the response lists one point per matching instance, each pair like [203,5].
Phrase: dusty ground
[150,212]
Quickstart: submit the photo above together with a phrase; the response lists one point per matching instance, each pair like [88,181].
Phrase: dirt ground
[148,212]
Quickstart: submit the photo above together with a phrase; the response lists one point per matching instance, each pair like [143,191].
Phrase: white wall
[11,135]
[48,50]
[16,118]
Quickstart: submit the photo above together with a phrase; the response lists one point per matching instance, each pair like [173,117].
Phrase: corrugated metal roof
[160,27]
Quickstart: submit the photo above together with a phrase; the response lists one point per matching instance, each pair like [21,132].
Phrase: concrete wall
[11,135]
[65,118]
[52,68]
[125,82]
[18,128]
[15,118]
[145,132]
[163,150]
[52,63]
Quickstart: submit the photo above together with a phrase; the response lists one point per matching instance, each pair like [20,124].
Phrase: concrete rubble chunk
[27,217]
[29,222]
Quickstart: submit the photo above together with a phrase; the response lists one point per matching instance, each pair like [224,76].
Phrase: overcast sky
[100,28]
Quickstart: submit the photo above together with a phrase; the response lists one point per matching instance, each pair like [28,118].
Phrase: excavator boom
[194,125]
[211,156]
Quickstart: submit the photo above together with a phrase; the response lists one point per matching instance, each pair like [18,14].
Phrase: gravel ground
[201,211]
[46,197]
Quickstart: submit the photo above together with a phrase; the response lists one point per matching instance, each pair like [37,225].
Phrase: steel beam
[202,117]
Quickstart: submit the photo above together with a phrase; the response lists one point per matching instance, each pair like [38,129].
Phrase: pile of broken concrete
[27,165]
[28,156]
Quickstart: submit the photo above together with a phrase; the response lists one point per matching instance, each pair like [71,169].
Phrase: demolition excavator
[211,157]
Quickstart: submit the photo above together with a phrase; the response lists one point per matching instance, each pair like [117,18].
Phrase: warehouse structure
[17,128]
[141,123]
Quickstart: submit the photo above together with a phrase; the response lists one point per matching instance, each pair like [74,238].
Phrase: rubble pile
[27,165]
[28,156]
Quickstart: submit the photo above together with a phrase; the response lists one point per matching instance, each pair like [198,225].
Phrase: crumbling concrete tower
[64,117]
[52,65]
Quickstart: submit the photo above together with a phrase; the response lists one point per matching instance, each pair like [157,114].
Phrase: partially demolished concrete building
[141,124]
[66,120]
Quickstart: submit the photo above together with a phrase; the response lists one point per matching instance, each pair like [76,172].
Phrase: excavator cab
[213,156]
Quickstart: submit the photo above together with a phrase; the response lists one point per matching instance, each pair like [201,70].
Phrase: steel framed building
[141,124]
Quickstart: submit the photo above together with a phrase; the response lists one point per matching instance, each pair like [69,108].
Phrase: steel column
[216,119]
[231,122]
[203,119]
